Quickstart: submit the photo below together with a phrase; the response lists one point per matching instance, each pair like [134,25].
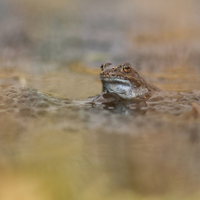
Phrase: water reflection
[117,105]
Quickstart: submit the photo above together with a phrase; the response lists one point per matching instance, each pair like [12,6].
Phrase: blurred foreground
[79,153]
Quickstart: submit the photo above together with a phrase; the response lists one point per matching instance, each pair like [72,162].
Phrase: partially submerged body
[124,91]
[124,83]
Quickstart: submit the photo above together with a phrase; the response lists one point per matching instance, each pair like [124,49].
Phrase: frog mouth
[124,88]
[118,85]
[115,79]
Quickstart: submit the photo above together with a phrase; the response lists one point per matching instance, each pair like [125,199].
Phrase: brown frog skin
[125,81]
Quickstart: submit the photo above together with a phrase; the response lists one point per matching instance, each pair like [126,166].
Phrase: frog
[124,91]
[125,82]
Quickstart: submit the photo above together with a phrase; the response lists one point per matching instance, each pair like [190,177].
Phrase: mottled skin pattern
[125,81]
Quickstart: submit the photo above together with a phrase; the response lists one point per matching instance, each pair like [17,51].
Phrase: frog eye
[105,65]
[102,67]
[127,68]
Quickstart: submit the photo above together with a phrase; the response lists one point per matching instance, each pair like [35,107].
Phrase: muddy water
[54,145]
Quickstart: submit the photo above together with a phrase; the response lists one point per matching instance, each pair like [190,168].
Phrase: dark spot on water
[25,111]
[41,112]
